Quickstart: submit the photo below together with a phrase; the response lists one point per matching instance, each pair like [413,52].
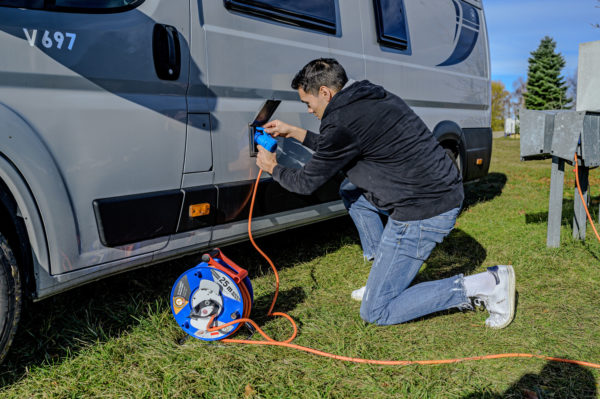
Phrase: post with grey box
[561,134]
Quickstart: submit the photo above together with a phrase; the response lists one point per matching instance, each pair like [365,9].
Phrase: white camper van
[117,115]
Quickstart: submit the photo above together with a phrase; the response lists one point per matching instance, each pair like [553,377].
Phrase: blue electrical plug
[264,139]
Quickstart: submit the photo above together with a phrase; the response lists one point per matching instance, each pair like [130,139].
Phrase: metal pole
[557,179]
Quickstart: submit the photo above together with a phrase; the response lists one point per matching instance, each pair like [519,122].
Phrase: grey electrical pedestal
[560,135]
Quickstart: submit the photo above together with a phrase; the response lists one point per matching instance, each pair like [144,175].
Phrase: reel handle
[216,253]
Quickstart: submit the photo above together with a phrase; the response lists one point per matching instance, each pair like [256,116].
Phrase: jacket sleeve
[336,147]
[311,140]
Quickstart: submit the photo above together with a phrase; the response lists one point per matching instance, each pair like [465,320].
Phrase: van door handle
[166,52]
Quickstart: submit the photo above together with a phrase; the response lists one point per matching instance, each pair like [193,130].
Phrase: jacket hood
[355,92]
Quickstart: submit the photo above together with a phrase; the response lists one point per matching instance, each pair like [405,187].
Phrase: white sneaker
[500,303]
[357,295]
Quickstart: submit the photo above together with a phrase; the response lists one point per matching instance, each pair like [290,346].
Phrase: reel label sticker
[182,293]
[222,280]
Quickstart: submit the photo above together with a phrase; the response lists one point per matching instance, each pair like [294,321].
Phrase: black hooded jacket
[385,149]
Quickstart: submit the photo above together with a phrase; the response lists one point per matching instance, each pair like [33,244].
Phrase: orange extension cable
[287,343]
[576,170]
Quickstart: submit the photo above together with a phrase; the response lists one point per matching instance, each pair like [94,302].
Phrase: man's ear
[326,92]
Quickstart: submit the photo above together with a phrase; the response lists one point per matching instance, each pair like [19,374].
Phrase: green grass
[117,338]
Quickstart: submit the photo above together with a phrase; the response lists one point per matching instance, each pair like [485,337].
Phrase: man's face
[316,104]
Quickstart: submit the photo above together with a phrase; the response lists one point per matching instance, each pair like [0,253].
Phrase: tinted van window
[93,3]
[391,23]
[313,14]
[73,5]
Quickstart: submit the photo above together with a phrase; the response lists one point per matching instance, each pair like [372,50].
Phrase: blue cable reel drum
[213,293]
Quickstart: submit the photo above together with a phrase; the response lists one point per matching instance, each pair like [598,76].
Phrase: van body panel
[459,92]
[98,126]
[83,99]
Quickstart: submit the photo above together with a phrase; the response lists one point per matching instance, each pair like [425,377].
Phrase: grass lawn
[117,338]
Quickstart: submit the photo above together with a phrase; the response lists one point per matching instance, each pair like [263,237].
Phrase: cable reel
[213,293]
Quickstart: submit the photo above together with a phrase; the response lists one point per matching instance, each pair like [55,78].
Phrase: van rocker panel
[134,218]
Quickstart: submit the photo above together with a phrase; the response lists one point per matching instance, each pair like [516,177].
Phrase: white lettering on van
[30,39]
[71,36]
[47,42]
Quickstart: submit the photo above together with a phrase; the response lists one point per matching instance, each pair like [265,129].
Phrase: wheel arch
[451,136]
[30,176]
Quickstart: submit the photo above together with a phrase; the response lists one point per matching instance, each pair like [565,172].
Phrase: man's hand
[266,160]
[278,128]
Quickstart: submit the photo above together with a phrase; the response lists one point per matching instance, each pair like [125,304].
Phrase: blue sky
[515,28]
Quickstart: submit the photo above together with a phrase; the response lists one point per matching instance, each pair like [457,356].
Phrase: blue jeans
[398,251]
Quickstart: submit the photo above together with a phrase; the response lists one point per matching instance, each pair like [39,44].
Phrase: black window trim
[283,15]
[387,40]
[48,6]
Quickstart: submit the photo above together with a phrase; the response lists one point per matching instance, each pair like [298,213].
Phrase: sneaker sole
[356,298]
[511,297]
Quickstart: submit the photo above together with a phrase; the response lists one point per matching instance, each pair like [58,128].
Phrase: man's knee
[371,315]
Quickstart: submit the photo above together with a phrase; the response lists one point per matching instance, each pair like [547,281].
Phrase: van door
[103,84]
[252,50]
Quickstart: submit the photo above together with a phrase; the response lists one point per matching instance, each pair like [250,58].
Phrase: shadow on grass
[567,214]
[555,380]
[458,253]
[286,302]
[567,219]
[63,325]
[484,190]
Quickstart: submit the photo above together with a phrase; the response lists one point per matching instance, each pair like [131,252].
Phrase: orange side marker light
[197,210]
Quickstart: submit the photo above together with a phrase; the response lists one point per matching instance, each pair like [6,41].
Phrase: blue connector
[265,140]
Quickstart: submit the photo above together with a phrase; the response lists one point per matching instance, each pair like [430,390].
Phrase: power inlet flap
[266,112]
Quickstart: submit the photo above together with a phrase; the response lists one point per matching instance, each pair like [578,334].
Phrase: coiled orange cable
[287,343]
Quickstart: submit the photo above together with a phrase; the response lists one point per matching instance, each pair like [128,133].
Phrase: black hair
[320,72]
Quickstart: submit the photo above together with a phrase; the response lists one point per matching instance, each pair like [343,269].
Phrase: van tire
[10,296]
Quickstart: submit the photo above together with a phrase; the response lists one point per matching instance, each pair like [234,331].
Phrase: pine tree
[546,89]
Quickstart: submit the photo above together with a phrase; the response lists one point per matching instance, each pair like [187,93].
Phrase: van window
[317,15]
[391,23]
[74,5]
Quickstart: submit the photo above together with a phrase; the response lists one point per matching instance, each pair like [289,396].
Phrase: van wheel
[456,160]
[10,296]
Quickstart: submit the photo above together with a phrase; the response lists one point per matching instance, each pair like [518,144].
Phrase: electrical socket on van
[263,116]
